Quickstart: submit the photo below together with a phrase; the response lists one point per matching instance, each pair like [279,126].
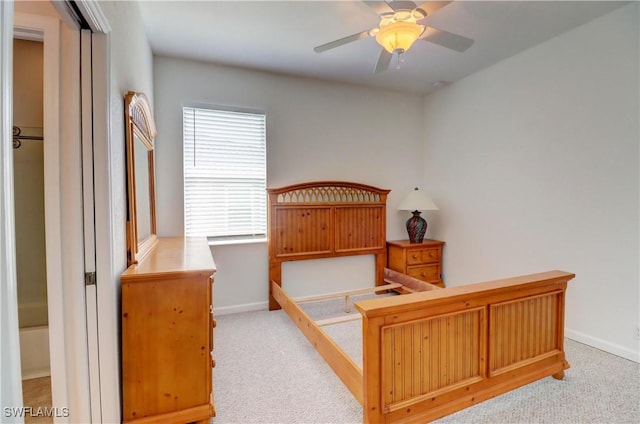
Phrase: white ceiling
[279,36]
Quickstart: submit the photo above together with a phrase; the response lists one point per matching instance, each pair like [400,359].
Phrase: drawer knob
[213,363]
[414,256]
[214,323]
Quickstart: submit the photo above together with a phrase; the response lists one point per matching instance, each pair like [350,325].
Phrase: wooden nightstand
[419,260]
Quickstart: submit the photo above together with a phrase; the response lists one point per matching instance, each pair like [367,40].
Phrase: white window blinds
[224,173]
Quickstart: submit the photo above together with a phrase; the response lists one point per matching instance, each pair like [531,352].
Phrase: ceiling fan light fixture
[399,36]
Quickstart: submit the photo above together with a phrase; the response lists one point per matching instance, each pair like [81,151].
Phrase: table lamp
[416,201]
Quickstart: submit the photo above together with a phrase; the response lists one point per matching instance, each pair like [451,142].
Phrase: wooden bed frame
[429,353]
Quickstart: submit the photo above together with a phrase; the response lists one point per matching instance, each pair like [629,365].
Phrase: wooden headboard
[325,219]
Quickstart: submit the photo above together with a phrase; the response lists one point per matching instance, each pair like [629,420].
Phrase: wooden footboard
[430,354]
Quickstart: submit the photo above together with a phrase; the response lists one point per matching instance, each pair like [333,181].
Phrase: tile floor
[36,392]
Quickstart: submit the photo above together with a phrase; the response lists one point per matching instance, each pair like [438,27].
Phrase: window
[224,173]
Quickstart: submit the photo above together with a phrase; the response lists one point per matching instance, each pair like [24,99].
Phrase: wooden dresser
[167,334]
[419,260]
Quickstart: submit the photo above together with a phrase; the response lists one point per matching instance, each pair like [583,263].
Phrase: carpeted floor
[267,372]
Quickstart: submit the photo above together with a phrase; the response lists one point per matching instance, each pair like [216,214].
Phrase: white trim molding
[10,382]
[93,14]
[247,307]
[609,347]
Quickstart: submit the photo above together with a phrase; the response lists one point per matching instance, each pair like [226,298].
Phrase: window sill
[232,240]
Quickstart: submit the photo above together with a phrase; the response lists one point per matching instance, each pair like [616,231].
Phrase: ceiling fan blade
[446,39]
[401,5]
[380,7]
[341,41]
[383,61]
[432,6]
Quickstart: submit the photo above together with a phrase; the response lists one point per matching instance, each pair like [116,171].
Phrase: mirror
[141,211]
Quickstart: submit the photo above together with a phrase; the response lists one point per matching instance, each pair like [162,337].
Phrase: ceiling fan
[402,23]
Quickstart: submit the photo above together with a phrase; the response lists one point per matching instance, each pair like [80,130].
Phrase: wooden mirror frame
[140,126]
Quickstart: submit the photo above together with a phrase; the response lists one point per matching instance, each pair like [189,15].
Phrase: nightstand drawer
[419,260]
[425,272]
[423,256]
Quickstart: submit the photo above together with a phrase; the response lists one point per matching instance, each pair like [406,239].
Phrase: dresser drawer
[425,273]
[423,256]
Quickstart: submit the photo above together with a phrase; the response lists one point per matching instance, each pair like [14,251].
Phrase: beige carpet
[267,372]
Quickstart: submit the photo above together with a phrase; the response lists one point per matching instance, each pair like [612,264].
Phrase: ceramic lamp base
[416,227]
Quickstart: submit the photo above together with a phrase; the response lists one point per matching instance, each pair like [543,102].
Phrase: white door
[100,302]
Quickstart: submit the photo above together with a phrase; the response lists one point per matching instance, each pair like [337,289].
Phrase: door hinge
[89,278]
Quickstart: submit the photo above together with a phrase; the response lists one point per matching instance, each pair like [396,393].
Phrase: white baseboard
[247,307]
[31,374]
[34,352]
[603,345]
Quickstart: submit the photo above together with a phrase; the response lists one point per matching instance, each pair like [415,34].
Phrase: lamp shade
[416,200]
[399,35]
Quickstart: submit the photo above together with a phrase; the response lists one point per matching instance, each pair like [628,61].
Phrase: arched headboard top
[326,219]
[327,192]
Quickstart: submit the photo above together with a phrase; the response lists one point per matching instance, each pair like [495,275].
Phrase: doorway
[29,213]
[62,201]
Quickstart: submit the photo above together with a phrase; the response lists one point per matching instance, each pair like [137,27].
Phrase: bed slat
[408,284]
[338,320]
[355,292]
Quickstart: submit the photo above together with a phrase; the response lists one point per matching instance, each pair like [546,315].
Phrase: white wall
[27,83]
[315,131]
[534,165]
[28,171]
[131,68]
